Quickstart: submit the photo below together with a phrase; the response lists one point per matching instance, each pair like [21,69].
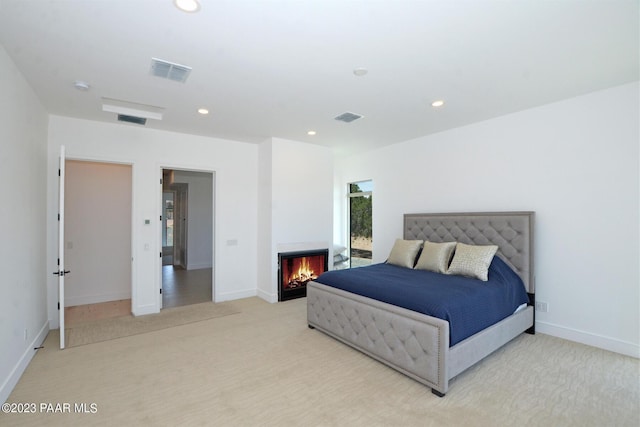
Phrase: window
[360,223]
[167,219]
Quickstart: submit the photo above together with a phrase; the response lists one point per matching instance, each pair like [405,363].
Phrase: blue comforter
[469,305]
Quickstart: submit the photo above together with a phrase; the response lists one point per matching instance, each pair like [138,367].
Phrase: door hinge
[160,217]
[58,172]
[58,305]
[160,181]
[58,261]
[160,254]
[161,290]
[58,217]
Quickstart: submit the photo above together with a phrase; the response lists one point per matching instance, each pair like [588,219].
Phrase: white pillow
[403,253]
[435,256]
[472,261]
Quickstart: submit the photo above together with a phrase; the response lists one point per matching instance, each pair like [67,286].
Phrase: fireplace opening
[296,269]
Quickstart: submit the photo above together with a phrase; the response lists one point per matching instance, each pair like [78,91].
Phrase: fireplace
[295,269]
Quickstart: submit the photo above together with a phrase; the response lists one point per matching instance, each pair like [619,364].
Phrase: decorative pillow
[403,253]
[435,256]
[472,261]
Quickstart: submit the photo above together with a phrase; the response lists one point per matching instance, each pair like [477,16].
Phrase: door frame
[62,164]
[186,168]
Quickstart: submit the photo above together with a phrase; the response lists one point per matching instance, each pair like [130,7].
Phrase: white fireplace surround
[303,246]
[286,176]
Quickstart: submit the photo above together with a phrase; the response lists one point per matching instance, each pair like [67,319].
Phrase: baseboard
[267,296]
[70,301]
[9,384]
[599,341]
[145,309]
[229,296]
[198,266]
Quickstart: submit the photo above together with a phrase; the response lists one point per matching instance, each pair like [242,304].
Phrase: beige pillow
[472,261]
[403,253]
[435,256]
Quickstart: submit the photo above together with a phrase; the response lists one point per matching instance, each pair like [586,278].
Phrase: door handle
[61,273]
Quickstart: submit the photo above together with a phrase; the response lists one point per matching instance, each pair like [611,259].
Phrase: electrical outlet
[542,307]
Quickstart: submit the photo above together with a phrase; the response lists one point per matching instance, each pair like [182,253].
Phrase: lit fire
[302,275]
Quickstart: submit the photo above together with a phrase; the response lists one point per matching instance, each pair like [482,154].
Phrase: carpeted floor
[118,327]
[264,367]
[89,312]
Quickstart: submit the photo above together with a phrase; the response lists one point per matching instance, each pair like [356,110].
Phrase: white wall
[199,217]
[575,163]
[97,232]
[148,150]
[23,151]
[296,207]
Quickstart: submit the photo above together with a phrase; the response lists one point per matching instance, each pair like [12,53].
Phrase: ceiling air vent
[132,112]
[348,117]
[132,119]
[169,70]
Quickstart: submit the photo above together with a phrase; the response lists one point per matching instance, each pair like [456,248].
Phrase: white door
[61,271]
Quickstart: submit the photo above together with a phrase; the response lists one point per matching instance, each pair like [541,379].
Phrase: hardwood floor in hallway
[183,287]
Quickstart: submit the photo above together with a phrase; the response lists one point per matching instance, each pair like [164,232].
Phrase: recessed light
[311,132]
[360,71]
[187,5]
[203,111]
[438,103]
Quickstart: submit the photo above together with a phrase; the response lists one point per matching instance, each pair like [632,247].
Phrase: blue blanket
[469,305]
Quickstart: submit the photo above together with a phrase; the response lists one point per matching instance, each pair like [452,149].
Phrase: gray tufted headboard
[512,232]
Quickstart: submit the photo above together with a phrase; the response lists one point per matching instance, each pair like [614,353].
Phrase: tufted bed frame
[416,344]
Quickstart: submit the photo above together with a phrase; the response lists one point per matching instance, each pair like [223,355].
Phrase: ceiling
[281,68]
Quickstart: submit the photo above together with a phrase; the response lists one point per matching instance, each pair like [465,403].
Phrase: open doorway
[97,238]
[187,237]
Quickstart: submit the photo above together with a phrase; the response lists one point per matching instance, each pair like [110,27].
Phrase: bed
[416,344]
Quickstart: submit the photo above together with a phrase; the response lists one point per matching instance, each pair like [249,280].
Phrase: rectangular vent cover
[169,70]
[348,117]
[132,119]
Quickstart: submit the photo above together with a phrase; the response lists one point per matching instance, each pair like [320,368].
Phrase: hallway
[183,287]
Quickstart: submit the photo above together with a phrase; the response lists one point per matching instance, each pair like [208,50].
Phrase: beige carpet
[264,367]
[89,312]
[90,332]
